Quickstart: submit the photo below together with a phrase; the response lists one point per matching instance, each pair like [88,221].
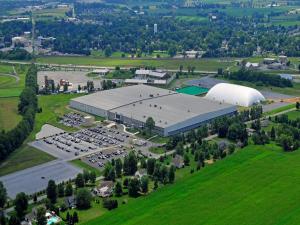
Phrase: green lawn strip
[293,114]
[254,181]
[280,109]
[83,165]
[9,116]
[22,158]
[157,150]
[10,92]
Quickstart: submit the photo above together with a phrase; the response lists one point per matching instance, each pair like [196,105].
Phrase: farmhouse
[172,112]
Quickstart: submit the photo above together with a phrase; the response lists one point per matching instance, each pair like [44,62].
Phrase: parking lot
[99,159]
[36,178]
[73,119]
[69,146]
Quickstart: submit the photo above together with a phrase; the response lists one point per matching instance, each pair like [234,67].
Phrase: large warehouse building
[172,112]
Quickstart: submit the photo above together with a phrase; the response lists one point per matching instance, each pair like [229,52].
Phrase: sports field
[192,90]
[257,185]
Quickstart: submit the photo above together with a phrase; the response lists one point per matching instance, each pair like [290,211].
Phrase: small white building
[250,65]
[101,72]
[286,76]
[283,59]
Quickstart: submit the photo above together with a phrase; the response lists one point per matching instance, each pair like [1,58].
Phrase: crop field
[199,64]
[9,116]
[257,185]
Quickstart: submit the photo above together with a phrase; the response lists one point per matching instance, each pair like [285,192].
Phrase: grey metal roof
[171,109]
[118,97]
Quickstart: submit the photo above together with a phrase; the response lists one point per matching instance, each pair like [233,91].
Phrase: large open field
[11,85]
[258,185]
[9,116]
[199,64]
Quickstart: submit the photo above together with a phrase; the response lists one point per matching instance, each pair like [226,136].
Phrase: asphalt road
[36,178]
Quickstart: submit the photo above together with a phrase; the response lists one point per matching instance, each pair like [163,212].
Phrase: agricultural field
[46,14]
[199,64]
[9,116]
[241,189]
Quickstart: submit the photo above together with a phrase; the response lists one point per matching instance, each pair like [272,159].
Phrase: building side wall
[88,109]
[197,121]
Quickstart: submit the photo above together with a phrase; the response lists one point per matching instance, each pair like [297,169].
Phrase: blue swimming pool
[53,220]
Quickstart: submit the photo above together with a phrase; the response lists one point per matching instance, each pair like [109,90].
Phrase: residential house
[105,189]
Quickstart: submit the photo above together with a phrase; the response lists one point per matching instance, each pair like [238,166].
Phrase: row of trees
[259,78]
[28,106]
[16,54]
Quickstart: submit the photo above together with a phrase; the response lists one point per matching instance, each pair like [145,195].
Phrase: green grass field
[9,116]
[293,115]
[200,64]
[53,106]
[85,166]
[23,158]
[257,185]
[9,86]
[280,109]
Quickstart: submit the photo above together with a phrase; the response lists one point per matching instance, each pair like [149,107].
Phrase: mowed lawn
[199,64]
[257,185]
[9,116]
[23,158]
[294,115]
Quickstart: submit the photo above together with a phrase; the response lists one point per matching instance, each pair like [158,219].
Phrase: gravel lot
[75,77]
[36,178]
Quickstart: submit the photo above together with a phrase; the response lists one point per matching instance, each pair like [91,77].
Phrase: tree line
[259,78]
[28,106]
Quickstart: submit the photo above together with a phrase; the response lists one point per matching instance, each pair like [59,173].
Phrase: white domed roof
[235,94]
